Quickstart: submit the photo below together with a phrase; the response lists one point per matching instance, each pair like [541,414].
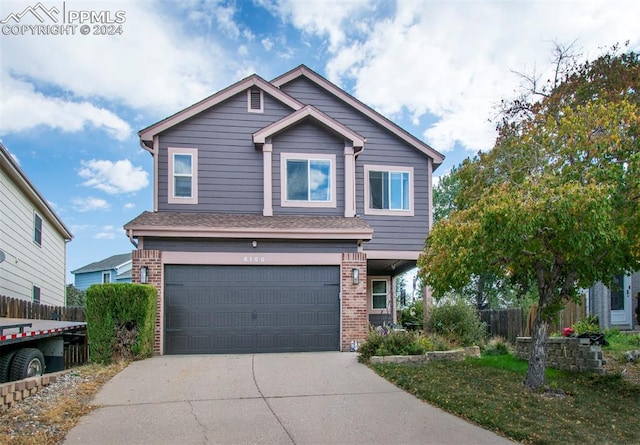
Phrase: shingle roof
[229,223]
[106,264]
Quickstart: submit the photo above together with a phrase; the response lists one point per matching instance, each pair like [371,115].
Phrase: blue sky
[71,105]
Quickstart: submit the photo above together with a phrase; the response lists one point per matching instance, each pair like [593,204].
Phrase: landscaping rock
[632,356]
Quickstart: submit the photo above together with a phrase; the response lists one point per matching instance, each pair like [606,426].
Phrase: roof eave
[302,70]
[260,136]
[264,233]
[25,184]
[146,134]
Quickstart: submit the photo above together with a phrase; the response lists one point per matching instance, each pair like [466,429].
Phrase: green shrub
[393,343]
[458,322]
[413,314]
[379,343]
[496,346]
[588,324]
[435,342]
[116,308]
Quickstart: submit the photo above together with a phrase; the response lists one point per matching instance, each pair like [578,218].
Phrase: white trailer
[29,348]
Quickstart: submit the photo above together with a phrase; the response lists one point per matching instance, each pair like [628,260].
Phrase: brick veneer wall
[355,317]
[568,354]
[153,260]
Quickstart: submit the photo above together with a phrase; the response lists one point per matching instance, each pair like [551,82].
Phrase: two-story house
[115,269]
[283,211]
[33,239]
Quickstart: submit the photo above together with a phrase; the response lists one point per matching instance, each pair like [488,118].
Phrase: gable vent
[255,100]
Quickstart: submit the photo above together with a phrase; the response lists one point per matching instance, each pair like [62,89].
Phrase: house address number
[254,259]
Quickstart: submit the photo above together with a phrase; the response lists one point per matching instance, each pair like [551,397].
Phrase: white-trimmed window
[388,190]
[37,229]
[308,180]
[183,175]
[106,277]
[379,294]
[255,100]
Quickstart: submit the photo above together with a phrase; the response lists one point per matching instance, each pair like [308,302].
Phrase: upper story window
[255,100]
[183,176]
[308,180]
[388,190]
[106,277]
[37,229]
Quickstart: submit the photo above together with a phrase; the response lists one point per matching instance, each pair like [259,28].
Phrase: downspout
[130,235]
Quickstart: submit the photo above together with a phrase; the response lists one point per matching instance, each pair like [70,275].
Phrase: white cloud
[104,235]
[107,232]
[89,204]
[153,65]
[15,158]
[128,206]
[267,43]
[329,19]
[113,177]
[24,108]
[452,62]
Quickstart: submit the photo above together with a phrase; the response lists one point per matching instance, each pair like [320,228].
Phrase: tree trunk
[538,356]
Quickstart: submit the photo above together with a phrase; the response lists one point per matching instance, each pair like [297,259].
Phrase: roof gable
[22,181]
[309,111]
[113,262]
[147,134]
[314,77]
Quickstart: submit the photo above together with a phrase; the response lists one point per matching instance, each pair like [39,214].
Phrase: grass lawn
[489,392]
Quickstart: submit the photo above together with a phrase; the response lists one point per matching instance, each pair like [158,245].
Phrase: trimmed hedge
[112,306]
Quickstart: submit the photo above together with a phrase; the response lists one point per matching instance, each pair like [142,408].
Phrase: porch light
[144,274]
[355,276]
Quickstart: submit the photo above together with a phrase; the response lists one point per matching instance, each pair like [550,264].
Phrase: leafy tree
[556,202]
[486,290]
[444,195]
[75,296]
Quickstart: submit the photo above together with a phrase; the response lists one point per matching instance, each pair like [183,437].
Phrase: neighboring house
[33,239]
[616,303]
[283,212]
[115,269]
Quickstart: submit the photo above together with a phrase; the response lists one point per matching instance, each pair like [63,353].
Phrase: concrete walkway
[302,398]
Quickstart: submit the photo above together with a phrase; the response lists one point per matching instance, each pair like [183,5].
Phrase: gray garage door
[245,309]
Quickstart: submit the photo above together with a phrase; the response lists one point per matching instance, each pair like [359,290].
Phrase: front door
[621,300]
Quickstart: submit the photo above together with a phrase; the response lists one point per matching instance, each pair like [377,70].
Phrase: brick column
[153,260]
[355,317]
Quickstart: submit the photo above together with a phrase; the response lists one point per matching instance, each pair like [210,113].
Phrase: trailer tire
[5,366]
[28,362]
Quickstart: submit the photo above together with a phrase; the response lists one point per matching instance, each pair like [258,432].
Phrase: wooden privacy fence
[505,323]
[571,313]
[14,308]
[76,352]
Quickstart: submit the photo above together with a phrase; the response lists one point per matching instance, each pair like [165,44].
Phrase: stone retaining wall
[13,392]
[566,353]
[455,355]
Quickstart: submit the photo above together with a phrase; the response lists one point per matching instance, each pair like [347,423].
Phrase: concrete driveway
[301,398]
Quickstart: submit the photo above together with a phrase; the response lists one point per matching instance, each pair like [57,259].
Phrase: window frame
[38,224]
[285,157]
[372,308]
[106,273]
[36,294]
[171,153]
[249,103]
[388,169]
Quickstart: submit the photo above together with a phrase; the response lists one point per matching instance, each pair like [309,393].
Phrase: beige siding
[27,264]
